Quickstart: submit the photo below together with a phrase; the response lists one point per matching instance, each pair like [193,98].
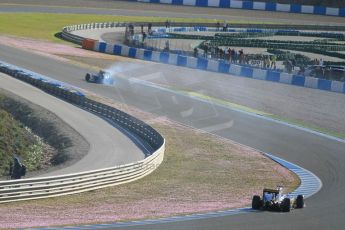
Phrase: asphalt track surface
[106,142]
[321,155]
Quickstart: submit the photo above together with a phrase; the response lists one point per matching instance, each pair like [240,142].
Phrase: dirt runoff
[69,146]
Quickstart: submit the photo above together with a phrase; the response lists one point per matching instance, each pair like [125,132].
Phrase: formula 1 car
[103,77]
[275,200]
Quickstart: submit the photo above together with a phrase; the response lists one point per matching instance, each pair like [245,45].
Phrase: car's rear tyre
[286,205]
[256,202]
[299,201]
[87,77]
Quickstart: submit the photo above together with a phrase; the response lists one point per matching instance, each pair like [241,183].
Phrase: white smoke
[119,69]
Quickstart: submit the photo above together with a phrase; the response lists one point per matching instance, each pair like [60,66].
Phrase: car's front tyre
[285,206]
[299,201]
[87,77]
[256,202]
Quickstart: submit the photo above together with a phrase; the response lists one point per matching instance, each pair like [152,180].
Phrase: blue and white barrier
[221,67]
[250,5]
[29,74]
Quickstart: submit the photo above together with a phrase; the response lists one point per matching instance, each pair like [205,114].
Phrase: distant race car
[275,200]
[103,77]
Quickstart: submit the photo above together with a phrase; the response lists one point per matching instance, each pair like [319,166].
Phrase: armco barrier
[252,5]
[205,64]
[36,188]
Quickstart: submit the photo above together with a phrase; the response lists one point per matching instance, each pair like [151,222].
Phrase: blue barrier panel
[271,6]
[324,84]
[255,30]
[202,63]
[248,5]
[246,72]
[102,47]
[177,2]
[320,10]
[148,55]
[202,3]
[154,1]
[295,8]
[224,3]
[200,28]
[117,50]
[344,88]
[342,12]
[132,52]
[298,80]
[223,67]
[273,76]
[54,84]
[181,60]
[164,57]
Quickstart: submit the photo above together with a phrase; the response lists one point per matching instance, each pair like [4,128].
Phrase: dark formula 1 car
[275,200]
[102,77]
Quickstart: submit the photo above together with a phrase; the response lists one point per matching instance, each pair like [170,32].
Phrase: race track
[321,155]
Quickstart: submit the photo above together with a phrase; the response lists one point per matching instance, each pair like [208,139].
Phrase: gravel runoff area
[228,174]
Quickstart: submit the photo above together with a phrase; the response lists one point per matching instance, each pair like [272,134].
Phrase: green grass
[45,25]
[16,139]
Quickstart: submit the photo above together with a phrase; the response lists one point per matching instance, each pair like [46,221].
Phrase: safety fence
[252,5]
[44,187]
[316,47]
[178,33]
[220,66]
[328,47]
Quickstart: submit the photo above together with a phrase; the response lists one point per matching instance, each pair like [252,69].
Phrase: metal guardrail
[45,187]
